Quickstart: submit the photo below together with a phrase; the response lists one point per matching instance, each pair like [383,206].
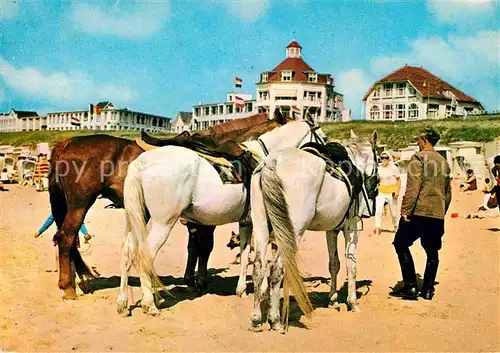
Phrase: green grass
[393,134]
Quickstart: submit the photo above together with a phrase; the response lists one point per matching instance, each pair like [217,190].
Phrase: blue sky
[164,56]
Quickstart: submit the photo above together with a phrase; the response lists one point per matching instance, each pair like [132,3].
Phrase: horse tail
[279,216]
[135,210]
[57,197]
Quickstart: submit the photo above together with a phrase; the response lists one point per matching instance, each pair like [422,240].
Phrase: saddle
[338,164]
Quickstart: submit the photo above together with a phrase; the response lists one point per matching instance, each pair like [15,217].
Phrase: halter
[314,135]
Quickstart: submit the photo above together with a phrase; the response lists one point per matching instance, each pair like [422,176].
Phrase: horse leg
[192,259]
[205,239]
[156,238]
[334,266]
[65,238]
[125,266]
[245,236]
[275,279]
[261,240]
[351,234]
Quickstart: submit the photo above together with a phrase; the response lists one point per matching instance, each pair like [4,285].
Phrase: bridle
[314,136]
[374,174]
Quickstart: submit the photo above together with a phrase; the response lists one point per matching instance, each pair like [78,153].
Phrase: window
[229,109]
[207,111]
[388,111]
[400,111]
[286,76]
[413,111]
[374,113]
[376,93]
[387,89]
[263,77]
[213,110]
[313,77]
[263,95]
[249,107]
[221,109]
[197,111]
[400,89]
[411,91]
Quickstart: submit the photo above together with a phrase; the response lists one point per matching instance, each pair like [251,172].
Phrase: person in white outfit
[388,191]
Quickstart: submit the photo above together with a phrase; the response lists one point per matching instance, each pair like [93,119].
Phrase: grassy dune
[394,134]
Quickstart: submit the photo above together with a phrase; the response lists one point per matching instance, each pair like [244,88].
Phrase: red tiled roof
[296,65]
[294,44]
[418,76]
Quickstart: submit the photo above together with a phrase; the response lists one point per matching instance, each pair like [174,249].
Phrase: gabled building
[20,120]
[182,122]
[413,93]
[236,106]
[296,88]
[105,116]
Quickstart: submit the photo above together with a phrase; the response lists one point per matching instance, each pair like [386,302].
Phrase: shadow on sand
[226,286]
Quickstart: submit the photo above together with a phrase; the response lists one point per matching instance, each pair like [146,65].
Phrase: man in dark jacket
[427,198]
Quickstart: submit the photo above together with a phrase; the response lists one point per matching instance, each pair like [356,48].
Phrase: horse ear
[374,137]
[353,135]
[233,233]
[279,117]
[309,118]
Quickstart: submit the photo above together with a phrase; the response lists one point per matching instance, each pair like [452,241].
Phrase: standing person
[41,174]
[425,203]
[495,171]
[388,191]
[48,222]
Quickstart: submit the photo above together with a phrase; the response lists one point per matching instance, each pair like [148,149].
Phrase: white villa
[18,120]
[105,116]
[295,87]
[413,93]
[236,106]
[182,122]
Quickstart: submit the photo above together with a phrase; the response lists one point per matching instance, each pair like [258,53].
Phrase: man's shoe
[407,292]
[427,294]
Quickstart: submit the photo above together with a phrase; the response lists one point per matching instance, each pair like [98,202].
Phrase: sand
[464,315]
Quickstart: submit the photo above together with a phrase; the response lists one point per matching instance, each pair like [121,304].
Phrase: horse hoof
[241,291]
[334,305]
[256,327]
[70,294]
[355,308]
[151,310]
[85,286]
[122,309]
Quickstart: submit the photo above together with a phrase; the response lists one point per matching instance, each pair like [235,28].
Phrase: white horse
[172,182]
[292,192]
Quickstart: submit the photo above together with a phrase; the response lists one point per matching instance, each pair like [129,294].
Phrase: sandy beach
[464,315]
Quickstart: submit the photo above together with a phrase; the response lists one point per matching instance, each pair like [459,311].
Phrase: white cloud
[131,20]
[456,56]
[8,8]
[247,10]
[459,10]
[353,84]
[59,87]
[465,61]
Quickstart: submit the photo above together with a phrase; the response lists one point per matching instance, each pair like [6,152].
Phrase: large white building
[294,86]
[236,106]
[18,120]
[413,93]
[105,116]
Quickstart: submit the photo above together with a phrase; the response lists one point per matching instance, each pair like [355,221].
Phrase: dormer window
[313,77]
[286,76]
[447,93]
[264,77]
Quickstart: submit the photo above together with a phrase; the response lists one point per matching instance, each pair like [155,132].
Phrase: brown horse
[82,168]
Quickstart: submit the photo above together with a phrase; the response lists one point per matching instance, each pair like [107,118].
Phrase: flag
[97,110]
[237,82]
[239,102]
[75,121]
[91,109]
[296,114]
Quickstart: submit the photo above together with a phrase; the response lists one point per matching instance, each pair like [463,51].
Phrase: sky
[164,56]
